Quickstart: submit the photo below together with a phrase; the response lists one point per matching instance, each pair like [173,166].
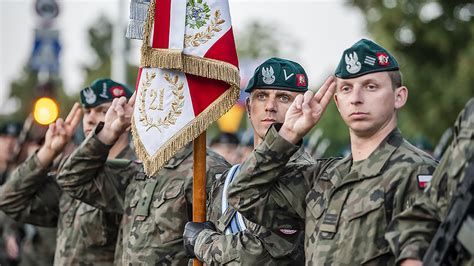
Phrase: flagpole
[199,182]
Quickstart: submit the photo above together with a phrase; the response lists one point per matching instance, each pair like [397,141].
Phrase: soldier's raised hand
[58,135]
[306,111]
[117,119]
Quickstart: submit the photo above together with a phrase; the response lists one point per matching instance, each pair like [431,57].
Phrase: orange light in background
[46,111]
[230,121]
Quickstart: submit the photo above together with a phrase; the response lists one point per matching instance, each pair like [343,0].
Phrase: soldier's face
[266,107]
[92,116]
[7,144]
[368,104]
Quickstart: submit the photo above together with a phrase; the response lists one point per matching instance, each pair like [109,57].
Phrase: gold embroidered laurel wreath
[205,35]
[177,88]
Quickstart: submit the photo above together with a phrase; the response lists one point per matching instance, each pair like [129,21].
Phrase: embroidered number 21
[154,95]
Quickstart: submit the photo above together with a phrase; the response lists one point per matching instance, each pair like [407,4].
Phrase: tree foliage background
[433,42]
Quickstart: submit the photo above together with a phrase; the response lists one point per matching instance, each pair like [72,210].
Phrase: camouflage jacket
[86,235]
[411,232]
[155,208]
[256,245]
[345,213]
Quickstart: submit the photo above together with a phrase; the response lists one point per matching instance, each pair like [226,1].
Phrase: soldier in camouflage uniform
[411,232]
[86,235]
[344,205]
[155,208]
[255,245]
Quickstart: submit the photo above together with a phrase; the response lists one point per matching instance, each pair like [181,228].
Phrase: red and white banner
[189,76]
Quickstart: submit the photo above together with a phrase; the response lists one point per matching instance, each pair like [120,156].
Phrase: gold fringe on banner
[152,164]
[153,57]
[212,69]
[161,58]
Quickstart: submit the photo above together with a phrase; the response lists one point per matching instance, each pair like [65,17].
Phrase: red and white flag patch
[300,80]
[382,58]
[117,91]
[424,180]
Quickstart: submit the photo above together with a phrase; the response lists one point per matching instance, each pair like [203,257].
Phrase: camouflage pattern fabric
[39,249]
[256,245]
[86,235]
[411,232]
[9,228]
[344,211]
[155,209]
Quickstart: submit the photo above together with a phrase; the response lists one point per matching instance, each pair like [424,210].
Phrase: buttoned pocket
[136,193]
[364,220]
[315,203]
[365,203]
[170,212]
[314,210]
[91,225]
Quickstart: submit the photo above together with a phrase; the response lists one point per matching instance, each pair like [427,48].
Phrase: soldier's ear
[401,96]
[247,106]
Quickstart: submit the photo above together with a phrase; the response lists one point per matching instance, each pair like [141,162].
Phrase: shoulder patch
[288,231]
[424,180]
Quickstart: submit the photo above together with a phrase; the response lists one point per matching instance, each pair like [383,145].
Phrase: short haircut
[396,78]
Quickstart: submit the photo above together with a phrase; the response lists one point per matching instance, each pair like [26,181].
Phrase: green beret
[11,129]
[365,57]
[103,91]
[279,74]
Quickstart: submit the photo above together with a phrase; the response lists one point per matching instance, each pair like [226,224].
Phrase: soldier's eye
[371,87]
[261,96]
[345,89]
[284,99]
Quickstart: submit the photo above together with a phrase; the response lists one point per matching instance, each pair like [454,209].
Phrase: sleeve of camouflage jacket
[261,195]
[31,195]
[411,232]
[89,177]
[413,227]
[213,247]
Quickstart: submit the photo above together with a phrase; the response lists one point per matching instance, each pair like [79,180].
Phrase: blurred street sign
[47,9]
[45,55]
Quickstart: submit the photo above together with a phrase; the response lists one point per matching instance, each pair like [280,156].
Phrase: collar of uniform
[127,153]
[373,165]
[339,170]
[376,162]
[180,156]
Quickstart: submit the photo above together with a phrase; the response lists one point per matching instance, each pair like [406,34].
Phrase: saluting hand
[58,135]
[117,119]
[306,111]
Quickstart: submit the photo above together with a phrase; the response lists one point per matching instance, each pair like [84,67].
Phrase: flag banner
[188,78]
[163,37]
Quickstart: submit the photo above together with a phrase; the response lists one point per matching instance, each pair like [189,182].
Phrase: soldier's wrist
[289,135]
[106,134]
[46,156]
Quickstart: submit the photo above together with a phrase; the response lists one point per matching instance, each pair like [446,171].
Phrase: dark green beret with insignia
[103,91]
[365,57]
[279,74]
[11,129]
